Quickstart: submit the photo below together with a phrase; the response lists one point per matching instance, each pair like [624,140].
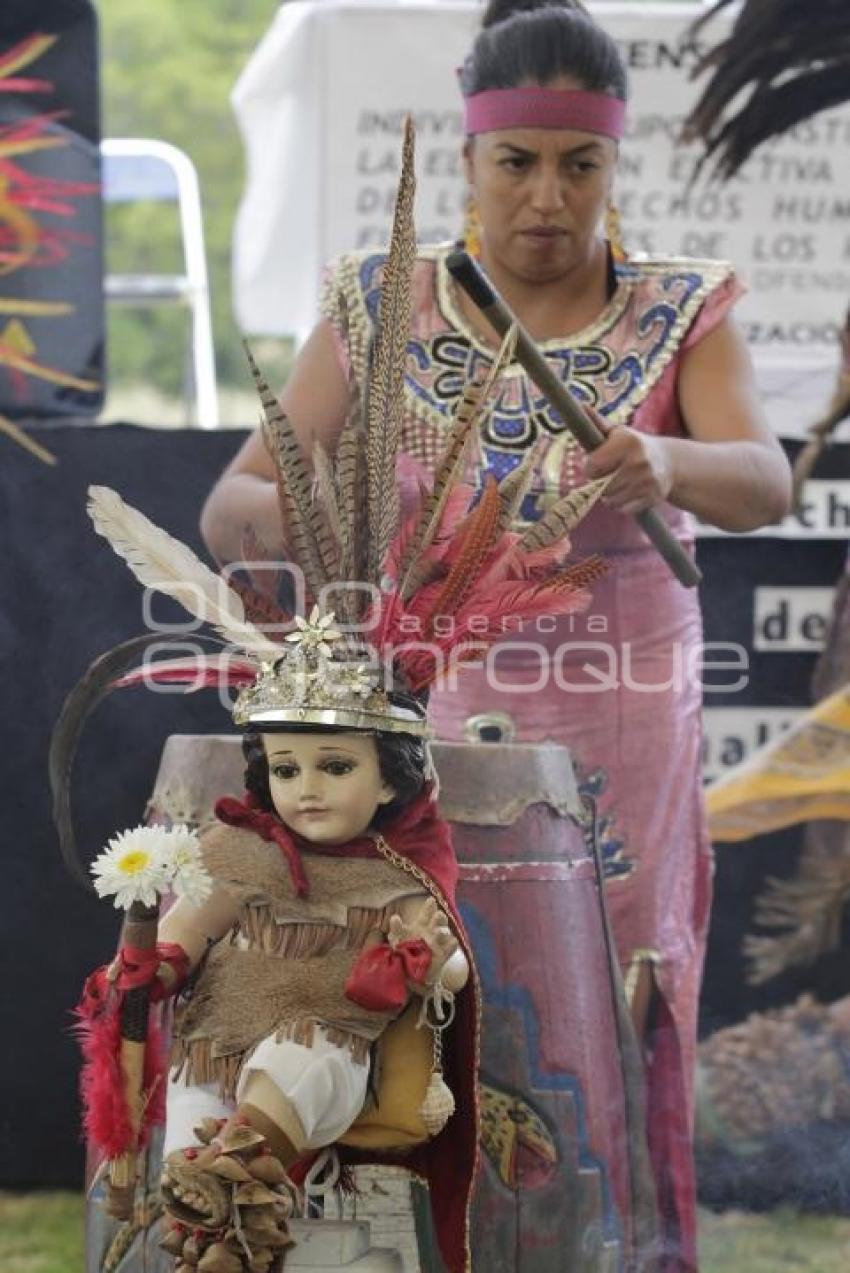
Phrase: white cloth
[325,1085]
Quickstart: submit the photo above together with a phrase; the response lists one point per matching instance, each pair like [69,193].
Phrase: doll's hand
[171,972]
[430,925]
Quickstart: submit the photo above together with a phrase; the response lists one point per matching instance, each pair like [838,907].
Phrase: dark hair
[401,760]
[537,41]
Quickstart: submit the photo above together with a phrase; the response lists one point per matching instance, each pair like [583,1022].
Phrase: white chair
[136,169]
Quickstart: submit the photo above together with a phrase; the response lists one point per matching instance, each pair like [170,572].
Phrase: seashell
[217,1259]
[270,1235]
[229,1169]
[438,1105]
[207,1129]
[239,1137]
[254,1194]
[267,1168]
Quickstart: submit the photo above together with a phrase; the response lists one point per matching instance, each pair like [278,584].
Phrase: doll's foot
[227,1203]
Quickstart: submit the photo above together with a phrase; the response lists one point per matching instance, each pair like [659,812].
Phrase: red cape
[449,1160]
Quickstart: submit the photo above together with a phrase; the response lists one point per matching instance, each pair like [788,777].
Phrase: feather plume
[264,579]
[199,673]
[159,561]
[307,536]
[563,516]
[260,609]
[326,489]
[482,528]
[386,380]
[575,577]
[513,489]
[789,63]
[467,415]
[101,678]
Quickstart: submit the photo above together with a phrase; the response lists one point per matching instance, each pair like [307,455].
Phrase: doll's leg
[186,1109]
[223,1188]
[301,1097]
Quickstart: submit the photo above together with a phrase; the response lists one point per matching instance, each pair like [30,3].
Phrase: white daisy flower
[185,866]
[132,867]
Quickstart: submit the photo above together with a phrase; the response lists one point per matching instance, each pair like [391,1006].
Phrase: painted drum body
[553,1190]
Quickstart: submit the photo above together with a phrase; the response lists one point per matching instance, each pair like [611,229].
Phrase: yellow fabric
[801,776]
[404,1070]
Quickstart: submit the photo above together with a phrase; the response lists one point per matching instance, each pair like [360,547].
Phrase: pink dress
[621,684]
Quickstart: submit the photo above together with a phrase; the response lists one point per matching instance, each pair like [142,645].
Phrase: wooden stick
[140,930]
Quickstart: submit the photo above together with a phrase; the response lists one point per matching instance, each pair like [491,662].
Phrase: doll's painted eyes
[284,771]
[336,768]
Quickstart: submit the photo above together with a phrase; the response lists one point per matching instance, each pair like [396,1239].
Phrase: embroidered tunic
[620,685]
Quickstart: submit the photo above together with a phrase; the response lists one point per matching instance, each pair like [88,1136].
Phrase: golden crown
[322,678]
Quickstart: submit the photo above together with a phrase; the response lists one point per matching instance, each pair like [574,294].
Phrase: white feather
[159,561]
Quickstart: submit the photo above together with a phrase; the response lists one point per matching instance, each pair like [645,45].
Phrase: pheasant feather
[563,516]
[386,380]
[513,490]
[326,489]
[307,536]
[159,561]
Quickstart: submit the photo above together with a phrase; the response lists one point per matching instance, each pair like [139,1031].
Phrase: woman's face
[541,194]
[325,787]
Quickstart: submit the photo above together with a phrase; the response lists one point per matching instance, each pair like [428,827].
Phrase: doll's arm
[196,928]
[183,936]
[420,918]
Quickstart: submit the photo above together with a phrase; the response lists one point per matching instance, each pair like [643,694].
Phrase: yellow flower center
[133,862]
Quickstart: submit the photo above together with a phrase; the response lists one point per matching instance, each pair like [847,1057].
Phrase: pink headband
[498,108]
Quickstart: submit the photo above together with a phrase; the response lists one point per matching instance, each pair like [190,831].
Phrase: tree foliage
[167,70]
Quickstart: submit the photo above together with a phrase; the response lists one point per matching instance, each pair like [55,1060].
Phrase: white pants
[323,1082]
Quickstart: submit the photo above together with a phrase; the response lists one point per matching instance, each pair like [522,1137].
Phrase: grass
[43,1233]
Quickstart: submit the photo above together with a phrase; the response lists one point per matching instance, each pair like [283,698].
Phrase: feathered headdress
[389,604]
[791,58]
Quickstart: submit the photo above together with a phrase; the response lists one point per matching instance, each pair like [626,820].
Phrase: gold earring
[614,233]
[472,228]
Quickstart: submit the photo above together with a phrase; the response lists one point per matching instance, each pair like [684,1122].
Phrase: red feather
[199,673]
[106,1119]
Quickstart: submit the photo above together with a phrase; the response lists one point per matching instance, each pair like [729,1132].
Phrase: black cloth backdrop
[65,599]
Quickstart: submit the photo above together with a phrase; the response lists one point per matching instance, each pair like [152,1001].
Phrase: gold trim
[344,717]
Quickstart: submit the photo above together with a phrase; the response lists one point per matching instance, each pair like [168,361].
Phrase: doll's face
[325,787]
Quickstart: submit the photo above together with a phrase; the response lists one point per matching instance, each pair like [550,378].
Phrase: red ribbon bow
[378,980]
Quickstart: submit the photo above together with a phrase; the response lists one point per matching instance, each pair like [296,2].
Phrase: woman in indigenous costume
[649,348]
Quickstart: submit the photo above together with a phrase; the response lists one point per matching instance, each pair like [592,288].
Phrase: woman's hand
[638,465]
